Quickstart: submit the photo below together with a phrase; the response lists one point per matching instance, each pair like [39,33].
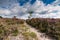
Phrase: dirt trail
[40,36]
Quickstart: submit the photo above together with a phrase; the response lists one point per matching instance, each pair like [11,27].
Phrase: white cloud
[7,3]
[39,8]
[5,11]
[57,2]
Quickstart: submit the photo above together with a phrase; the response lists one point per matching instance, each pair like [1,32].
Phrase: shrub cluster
[14,21]
[49,26]
[5,31]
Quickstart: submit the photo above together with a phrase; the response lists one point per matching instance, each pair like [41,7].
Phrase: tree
[30,14]
[1,17]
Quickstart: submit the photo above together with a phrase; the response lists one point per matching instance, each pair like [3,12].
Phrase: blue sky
[33,1]
[48,1]
[4,3]
[20,8]
[22,2]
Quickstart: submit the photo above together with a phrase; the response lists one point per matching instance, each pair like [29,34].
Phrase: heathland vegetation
[13,28]
[50,27]
[10,27]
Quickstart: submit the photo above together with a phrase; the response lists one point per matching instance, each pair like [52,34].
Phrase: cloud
[39,9]
[57,2]
[7,3]
[13,10]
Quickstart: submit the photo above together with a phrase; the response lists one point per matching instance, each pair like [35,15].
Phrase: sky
[20,8]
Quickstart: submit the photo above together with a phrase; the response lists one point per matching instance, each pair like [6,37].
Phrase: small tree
[14,17]
[30,14]
[1,17]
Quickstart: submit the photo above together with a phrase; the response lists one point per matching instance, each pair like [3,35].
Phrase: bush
[20,22]
[15,32]
[33,35]
[49,26]
[1,17]
[28,35]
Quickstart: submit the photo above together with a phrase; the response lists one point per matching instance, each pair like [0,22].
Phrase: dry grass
[14,27]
